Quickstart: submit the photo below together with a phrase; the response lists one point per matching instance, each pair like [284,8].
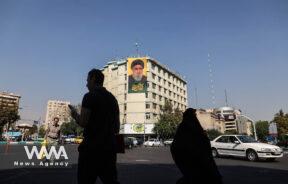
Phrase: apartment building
[141,86]
[60,109]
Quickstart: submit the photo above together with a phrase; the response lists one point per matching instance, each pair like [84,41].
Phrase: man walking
[100,119]
[52,135]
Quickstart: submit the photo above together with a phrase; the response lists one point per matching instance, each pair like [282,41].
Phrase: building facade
[9,102]
[60,109]
[140,100]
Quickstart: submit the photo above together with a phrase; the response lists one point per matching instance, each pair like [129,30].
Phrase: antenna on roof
[137,48]
[211,80]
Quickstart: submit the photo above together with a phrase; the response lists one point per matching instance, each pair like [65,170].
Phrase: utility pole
[226,99]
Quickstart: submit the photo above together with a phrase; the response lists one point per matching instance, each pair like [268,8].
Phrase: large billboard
[137,75]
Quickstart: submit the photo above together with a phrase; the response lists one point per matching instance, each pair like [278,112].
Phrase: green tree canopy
[71,128]
[262,129]
[213,133]
[281,120]
[169,119]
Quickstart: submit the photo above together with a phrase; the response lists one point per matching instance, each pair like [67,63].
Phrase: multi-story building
[9,102]
[60,109]
[140,100]
[209,120]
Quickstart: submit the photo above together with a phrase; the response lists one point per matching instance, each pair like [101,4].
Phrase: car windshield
[246,139]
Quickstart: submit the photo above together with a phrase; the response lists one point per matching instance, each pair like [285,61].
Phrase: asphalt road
[136,166]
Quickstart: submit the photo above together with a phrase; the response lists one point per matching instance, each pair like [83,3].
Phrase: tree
[71,128]
[169,119]
[262,129]
[42,131]
[281,120]
[231,132]
[8,117]
[213,133]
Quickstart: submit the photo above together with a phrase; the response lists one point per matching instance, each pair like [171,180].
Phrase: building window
[159,79]
[125,96]
[164,82]
[153,76]
[154,115]
[153,85]
[147,106]
[165,90]
[160,88]
[154,105]
[146,94]
[169,84]
[125,107]
[159,69]
[160,98]
[169,93]
[147,114]
[154,96]
[125,77]
[153,66]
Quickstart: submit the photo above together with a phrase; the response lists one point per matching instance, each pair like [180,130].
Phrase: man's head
[55,120]
[137,67]
[95,78]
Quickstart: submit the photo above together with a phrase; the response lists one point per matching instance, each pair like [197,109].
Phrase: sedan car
[168,142]
[244,146]
[152,142]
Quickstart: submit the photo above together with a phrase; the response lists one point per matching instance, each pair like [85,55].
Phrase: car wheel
[214,152]
[252,155]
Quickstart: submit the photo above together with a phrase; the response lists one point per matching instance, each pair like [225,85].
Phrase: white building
[58,109]
[141,108]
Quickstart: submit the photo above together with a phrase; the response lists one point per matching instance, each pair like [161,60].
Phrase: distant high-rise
[58,109]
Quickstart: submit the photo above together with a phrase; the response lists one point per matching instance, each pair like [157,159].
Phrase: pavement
[137,166]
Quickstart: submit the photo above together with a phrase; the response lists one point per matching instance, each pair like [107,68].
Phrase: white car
[168,142]
[244,146]
[152,142]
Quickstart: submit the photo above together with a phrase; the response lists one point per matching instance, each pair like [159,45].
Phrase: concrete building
[210,120]
[60,109]
[140,104]
[9,102]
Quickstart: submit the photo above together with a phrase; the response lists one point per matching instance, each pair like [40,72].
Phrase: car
[70,139]
[244,146]
[134,140]
[168,142]
[128,143]
[152,142]
[78,139]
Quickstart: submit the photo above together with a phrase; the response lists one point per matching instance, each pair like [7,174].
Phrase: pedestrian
[191,151]
[100,119]
[53,135]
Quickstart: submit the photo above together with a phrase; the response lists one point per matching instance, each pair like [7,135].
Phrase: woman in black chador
[191,151]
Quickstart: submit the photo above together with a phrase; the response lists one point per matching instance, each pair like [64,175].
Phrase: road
[137,166]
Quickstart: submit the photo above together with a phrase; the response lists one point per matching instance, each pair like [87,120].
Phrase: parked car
[78,140]
[168,142]
[244,146]
[134,140]
[70,139]
[128,143]
[152,142]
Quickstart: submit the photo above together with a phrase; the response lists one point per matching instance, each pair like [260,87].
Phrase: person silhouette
[191,152]
[100,119]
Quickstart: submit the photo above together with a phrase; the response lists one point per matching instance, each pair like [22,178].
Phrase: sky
[47,48]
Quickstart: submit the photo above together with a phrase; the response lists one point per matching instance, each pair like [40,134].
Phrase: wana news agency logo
[47,156]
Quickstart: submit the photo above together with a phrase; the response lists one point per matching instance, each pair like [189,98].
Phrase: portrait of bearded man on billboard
[137,80]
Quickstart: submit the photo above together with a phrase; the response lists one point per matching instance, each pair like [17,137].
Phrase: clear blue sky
[47,48]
